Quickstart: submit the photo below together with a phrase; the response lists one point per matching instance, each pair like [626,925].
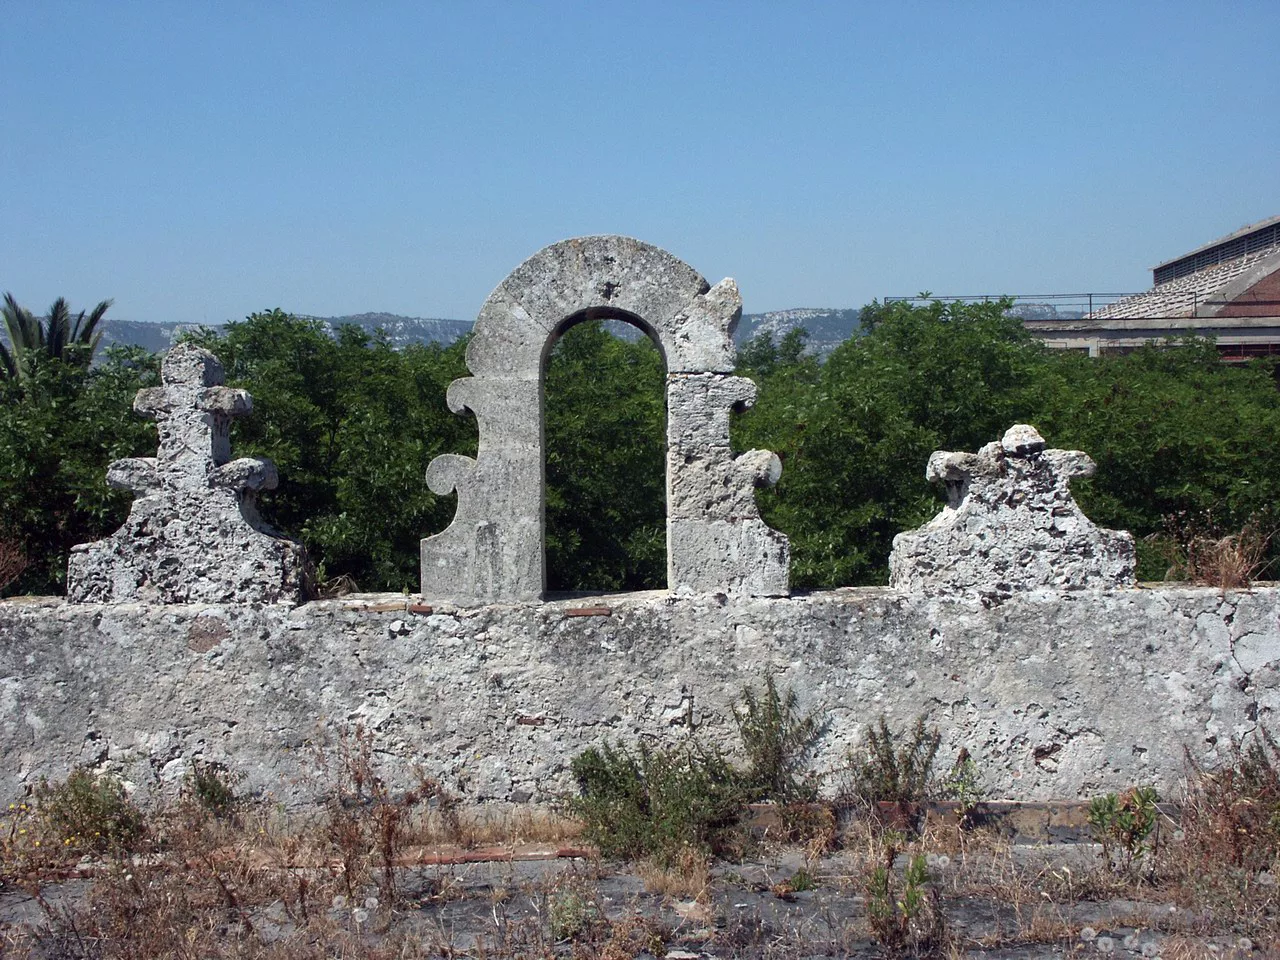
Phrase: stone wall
[1056,695]
[1012,622]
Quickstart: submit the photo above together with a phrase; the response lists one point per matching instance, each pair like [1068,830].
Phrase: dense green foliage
[60,425]
[606,450]
[1175,432]
[1180,438]
[351,425]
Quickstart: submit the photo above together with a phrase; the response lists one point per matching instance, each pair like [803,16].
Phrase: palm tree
[71,339]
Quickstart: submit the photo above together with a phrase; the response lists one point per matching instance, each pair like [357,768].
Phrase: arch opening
[604,455]
[493,551]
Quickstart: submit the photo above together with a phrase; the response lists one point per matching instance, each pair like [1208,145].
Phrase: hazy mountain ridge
[152,337]
[1045,311]
[400,331]
[827,328]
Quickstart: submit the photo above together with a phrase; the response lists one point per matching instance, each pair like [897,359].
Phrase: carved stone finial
[1010,524]
[193,534]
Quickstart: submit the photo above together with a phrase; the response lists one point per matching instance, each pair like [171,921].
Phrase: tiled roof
[1181,297]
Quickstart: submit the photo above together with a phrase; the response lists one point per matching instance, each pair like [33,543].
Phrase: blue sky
[198,161]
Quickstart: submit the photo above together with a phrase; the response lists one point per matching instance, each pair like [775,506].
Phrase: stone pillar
[715,537]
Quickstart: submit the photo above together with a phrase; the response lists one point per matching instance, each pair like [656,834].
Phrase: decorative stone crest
[716,541]
[1010,524]
[193,533]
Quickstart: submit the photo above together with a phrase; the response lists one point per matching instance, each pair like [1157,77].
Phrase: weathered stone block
[717,485]
[699,337]
[699,407]
[734,557]
[603,275]
[1010,524]
[1056,696]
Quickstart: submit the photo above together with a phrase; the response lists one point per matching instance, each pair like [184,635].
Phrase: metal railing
[1035,306]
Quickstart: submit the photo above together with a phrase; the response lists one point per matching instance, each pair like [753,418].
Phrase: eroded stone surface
[493,550]
[1010,524]
[192,534]
[1055,696]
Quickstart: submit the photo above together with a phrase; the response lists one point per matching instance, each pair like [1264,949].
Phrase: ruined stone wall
[1012,622]
[1056,695]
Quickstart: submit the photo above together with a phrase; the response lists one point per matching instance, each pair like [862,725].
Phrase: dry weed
[482,828]
[13,560]
[1198,550]
[688,877]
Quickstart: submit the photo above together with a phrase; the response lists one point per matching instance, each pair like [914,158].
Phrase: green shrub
[658,802]
[213,788]
[964,785]
[905,919]
[778,740]
[88,811]
[1124,823]
[893,768]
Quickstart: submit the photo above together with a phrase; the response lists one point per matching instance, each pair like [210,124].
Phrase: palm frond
[60,336]
[23,330]
[85,332]
[57,327]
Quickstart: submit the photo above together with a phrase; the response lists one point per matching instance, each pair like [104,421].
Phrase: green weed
[1124,824]
[778,740]
[889,768]
[88,812]
[658,802]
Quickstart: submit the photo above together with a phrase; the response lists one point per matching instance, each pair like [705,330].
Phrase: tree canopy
[352,424]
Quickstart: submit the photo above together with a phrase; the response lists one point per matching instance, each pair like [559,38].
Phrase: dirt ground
[995,900]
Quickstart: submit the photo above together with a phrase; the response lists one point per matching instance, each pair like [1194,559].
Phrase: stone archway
[716,541]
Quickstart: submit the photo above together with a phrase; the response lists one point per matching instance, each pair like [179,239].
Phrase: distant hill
[153,337]
[401,331]
[826,328]
[1045,311]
